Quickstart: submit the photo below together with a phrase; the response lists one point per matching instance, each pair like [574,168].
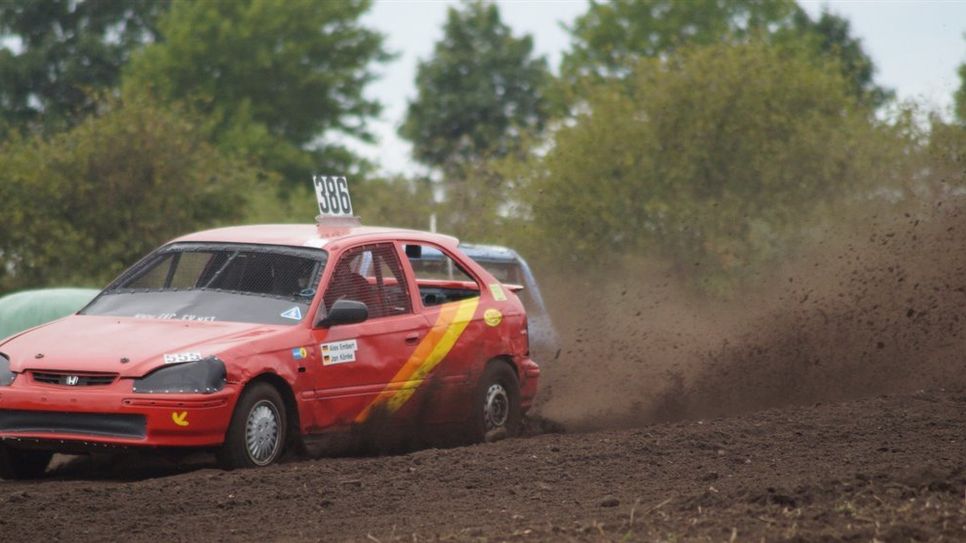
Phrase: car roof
[312,235]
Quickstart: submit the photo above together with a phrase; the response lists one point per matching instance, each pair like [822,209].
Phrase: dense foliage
[612,36]
[272,77]
[711,158]
[81,206]
[66,51]
[710,135]
[960,97]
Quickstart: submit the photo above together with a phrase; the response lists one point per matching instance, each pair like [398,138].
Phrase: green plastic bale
[30,308]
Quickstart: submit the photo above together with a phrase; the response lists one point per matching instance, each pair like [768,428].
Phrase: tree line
[712,134]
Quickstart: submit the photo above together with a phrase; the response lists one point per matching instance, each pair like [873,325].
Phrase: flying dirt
[859,313]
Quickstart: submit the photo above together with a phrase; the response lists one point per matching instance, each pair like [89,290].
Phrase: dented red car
[246,339]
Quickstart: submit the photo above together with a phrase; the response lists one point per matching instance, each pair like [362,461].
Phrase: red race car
[247,339]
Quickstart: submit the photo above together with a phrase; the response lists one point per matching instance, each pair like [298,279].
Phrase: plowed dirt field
[889,468]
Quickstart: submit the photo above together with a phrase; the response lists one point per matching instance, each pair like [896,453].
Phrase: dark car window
[510,272]
[370,274]
[215,282]
[440,278]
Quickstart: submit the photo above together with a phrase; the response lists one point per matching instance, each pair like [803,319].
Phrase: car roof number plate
[332,193]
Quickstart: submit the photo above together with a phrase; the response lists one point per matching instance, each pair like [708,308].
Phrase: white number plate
[332,192]
[181,357]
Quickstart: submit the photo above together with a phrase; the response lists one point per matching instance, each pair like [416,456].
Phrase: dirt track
[891,468]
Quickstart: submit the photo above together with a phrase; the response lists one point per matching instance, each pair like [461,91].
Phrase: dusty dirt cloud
[873,307]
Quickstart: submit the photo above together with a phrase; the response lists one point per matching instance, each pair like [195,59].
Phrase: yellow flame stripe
[453,319]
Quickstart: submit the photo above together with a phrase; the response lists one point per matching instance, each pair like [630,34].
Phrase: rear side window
[370,274]
[511,272]
[440,278]
[504,272]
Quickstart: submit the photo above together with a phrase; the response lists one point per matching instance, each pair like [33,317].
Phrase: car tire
[23,464]
[496,404]
[256,436]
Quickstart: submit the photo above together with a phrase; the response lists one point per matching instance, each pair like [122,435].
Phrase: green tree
[479,94]
[713,158]
[830,37]
[60,53]
[84,204]
[611,36]
[960,97]
[280,81]
[945,157]
[395,201]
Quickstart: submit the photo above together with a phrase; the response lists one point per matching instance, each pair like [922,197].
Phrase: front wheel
[256,436]
[496,404]
[22,464]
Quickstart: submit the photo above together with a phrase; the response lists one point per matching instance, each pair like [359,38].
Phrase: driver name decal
[339,352]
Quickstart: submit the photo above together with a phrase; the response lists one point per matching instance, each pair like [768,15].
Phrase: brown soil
[891,468]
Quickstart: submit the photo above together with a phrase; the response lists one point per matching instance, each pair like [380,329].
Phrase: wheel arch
[502,359]
[288,396]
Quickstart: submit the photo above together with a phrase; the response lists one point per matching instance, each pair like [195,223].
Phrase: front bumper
[114,416]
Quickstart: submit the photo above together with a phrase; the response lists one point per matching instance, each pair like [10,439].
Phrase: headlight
[6,376]
[202,377]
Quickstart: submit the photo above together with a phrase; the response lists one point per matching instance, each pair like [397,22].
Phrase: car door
[449,299]
[360,364]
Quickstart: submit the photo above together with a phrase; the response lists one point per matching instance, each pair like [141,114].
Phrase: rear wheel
[496,405]
[23,464]
[257,434]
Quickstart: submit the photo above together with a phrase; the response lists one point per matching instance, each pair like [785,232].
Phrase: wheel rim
[496,407]
[262,432]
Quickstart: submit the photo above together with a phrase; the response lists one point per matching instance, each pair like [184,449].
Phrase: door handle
[412,339]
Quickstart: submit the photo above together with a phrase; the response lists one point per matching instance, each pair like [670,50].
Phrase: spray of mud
[867,310]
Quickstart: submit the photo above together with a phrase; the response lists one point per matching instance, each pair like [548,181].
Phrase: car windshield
[262,284]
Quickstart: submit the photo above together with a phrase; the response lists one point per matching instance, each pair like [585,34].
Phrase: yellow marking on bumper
[181,419]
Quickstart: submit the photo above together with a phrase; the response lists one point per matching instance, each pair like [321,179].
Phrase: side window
[440,278]
[372,275]
[504,272]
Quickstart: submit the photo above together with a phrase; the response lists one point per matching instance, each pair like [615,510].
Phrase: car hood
[85,343]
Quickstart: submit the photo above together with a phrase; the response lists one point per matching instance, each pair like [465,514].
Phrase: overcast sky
[916,46]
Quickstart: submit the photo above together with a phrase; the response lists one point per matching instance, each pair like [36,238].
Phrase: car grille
[96,424]
[74,379]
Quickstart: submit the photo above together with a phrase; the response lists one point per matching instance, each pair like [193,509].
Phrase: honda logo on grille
[72,380]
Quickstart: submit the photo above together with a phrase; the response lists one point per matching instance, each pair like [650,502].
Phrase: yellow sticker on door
[493,317]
